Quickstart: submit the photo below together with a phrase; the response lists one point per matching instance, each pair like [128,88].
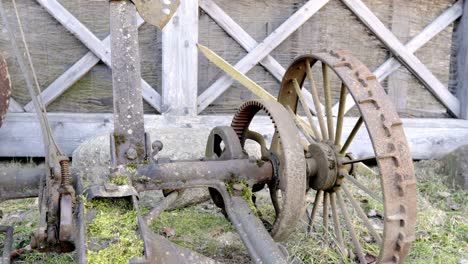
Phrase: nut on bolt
[131,154]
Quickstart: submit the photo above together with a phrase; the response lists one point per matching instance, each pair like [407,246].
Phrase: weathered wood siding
[54,49]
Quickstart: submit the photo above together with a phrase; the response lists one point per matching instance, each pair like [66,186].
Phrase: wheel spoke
[362,215]
[326,197]
[318,197]
[274,199]
[356,128]
[315,98]
[300,123]
[352,232]
[306,109]
[328,102]
[336,223]
[257,137]
[364,188]
[341,113]
[359,160]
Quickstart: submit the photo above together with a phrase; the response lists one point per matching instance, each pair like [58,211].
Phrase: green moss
[114,231]
[119,180]
[246,193]
[195,228]
[260,163]
[119,139]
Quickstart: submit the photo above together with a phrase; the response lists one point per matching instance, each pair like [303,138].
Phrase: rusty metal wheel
[287,157]
[5,89]
[391,193]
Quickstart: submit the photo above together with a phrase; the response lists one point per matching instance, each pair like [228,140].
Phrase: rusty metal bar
[129,130]
[18,183]
[154,176]
[8,242]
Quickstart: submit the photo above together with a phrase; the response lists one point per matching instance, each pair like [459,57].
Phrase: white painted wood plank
[261,51]
[98,47]
[248,43]
[428,138]
[398,83]
[240,35]
[462,62]
[430,31]
[404,55]
[14,107]
[66,80]
[180,61]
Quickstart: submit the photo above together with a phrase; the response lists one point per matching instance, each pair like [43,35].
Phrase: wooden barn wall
[54,49]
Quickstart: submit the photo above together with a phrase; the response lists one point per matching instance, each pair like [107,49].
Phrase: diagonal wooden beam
[429,32]
[261,51]
[405,56]
[100,50]
[14,107]
[248,43]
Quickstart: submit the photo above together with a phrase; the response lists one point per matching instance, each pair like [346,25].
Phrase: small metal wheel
[288,185]
[369,218]
[5,89]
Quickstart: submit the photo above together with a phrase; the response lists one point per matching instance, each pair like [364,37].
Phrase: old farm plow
[304,158]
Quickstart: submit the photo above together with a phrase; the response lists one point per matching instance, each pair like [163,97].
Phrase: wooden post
[398,81]
[180,61]
[462,62]
[129,131]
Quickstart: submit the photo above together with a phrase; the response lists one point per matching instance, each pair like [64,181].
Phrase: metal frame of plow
[130,145]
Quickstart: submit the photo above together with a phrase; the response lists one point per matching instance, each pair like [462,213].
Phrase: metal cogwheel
[287,154]
[5,89]
[354,232]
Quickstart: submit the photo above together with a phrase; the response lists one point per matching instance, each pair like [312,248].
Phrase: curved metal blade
[5,89]
[157,12]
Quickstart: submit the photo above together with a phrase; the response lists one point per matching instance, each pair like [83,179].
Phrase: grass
[441,235]
[23,215]
[194,228]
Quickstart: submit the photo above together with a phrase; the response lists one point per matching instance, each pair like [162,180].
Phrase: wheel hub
[326,168]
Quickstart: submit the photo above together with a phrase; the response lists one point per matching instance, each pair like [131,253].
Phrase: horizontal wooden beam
[429,32]
[248,43]
[404,55]
[261,51]
[101,50]
[20,135]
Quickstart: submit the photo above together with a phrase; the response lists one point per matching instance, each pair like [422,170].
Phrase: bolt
[157,145]
[132,154]
[308,155]
[238,187]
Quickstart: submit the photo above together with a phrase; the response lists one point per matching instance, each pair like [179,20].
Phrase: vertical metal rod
[318,197]
[306,109]
[336,223]
[351,230]
[341,113]
[326,197]
[328,102]
[315,97]
[351,136]
[129,131]
[362,215]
